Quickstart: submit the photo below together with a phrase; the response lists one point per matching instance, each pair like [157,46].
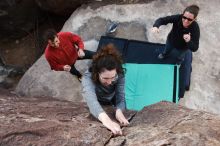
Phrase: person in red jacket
[63,49]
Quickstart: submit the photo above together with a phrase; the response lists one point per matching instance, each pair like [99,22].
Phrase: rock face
[30,121]
[26,121]
[168,124]
[41,81]
[135,22]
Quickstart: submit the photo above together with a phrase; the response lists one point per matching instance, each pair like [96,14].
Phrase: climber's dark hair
[194,9]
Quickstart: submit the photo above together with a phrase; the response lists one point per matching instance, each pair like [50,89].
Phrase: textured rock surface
[26,121]
[45,121]
[91,22]
[168,124]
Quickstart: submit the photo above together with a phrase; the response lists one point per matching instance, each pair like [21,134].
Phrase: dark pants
[185,73]
[178,54]
[88,55]
[184,57]
[188,68]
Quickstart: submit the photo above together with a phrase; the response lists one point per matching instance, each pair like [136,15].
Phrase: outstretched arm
[88,93]
[120,101]
[121,118]
[166,20]
[111,125]
[94,106]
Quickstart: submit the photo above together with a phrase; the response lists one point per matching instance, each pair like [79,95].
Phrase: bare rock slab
[165,123]
[29,121]
[45,121]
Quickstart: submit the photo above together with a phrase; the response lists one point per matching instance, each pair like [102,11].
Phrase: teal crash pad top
[147,84]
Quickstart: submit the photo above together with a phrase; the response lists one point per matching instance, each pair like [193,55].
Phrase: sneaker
[187,88]
[79,79]
[112,28]
[180,98]
[161,56]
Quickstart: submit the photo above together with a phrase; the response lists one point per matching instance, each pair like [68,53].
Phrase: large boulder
[135,22]
[165,123]
[41,81]
[46,121]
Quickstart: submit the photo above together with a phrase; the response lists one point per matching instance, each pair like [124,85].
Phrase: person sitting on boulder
[184,35]
[103,84]
[63,49]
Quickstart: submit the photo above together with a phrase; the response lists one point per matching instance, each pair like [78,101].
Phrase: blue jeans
[185,73]
[185,58]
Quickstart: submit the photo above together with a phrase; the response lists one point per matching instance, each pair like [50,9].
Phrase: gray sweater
[93,92]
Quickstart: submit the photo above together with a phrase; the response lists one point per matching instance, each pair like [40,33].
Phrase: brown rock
[169,124]
[45,121]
